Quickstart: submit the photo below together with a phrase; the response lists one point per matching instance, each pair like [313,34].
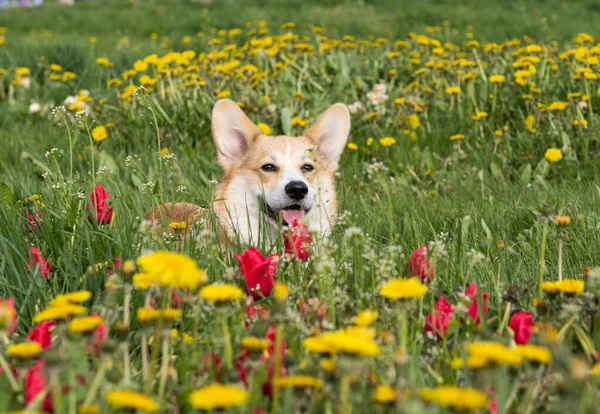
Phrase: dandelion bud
[281,292]
[109,346]
[127,270]
[121,331]
[562,221]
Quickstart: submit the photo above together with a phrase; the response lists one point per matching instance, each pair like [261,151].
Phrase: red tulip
[116,265]
[522,325]
[474,308]
[493,406]
[35,382]
[100,335]
[259,271]
[41,334]
[8,316]
[211,364]
[102,212]
[33,220]
[42,265]
[297,240]
[438,321]
[420,265]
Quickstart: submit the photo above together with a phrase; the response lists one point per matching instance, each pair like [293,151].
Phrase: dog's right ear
[232,132]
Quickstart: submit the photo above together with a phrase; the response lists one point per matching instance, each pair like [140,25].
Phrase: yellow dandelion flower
[266,129]
[414,121]
[174,270]
[298,95]
[557,106]
[224,94]
[221,293]
[562,221]
[297,381]
[387,141]
[299,121]
[352,146]
[144,280]
[281,291]
[73,297]
[404,289]
[453,90]
[24,351]
[22,71]
[131,400]
[457,137]
[328,364]
[385,394]
[366,317]
[253,343]
[535,353]
[56,312]
[88,409]
[102,61]
[84,324]
[178,225]
[486,352]
[596,369]
[146,315]
[496,78]
[99,133]
[553,155]
[218,396]
[454,397]
[569,286]
[370,141]
[400,101]
[353,341]
[54,67]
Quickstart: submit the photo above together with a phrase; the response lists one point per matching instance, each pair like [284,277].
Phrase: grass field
[474,139]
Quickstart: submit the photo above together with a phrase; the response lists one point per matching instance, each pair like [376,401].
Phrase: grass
[485,205]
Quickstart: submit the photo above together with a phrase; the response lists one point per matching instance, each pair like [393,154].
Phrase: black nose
[296,190]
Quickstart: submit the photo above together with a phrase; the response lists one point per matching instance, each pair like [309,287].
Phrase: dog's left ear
[330,132]
[232,132]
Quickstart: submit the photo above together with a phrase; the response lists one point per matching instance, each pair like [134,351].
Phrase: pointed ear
[232,132]
[330,132]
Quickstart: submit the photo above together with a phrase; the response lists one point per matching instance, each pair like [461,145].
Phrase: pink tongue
[289,216]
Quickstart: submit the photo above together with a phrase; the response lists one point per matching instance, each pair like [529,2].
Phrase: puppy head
[283,171]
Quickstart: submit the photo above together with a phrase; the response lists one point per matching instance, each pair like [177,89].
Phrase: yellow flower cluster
[454,397]
[404,289]
[218,396]
[570,286]
[171,269]
[352,341]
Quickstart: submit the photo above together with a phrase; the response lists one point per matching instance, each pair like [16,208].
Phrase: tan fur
[168,213]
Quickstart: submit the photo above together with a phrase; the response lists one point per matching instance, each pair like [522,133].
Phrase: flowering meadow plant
[455,279]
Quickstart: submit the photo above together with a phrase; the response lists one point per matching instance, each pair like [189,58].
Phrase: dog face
[280,179]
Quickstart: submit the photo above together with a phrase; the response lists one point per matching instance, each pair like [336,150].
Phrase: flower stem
[560,259]
[57,394]
[542,256]
[227,340]
[126,312]
[278,337]
[8,372]
[166,356]
[345,394]
[91,394]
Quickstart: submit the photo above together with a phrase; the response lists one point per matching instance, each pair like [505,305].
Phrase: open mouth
[288,215]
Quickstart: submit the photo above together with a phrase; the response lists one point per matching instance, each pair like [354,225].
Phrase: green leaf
[286,120]
[525,174]
[6,194]
[496,167]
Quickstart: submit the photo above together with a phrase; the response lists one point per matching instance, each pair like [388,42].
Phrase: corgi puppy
[270,181]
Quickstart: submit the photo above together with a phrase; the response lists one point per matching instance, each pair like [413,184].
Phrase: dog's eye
[308,168]
[268,168]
